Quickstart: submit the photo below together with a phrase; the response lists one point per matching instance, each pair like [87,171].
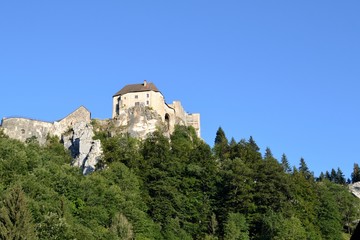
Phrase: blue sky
[285,72]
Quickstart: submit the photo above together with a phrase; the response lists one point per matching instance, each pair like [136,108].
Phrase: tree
[236,227]
[285,164]
[333,175]
[329,216]
[340,178]
[268,153]
[303,168]
[355,175]
[121,227]
[221,147]
[15,218]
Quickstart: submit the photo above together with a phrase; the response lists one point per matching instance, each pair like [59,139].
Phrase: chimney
[145,83]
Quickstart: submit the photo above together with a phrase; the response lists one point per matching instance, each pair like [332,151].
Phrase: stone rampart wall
[24,128]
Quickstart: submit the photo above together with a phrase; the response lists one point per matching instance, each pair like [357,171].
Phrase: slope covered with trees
[161,188]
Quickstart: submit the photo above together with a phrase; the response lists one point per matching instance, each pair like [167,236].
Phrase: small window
[147,95]
[23,131]
[147,102]
[136,96]
[167,121]
[137,104]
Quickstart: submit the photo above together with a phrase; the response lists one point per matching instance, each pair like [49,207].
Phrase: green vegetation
[177,188]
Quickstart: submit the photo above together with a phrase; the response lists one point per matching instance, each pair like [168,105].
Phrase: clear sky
[285,72]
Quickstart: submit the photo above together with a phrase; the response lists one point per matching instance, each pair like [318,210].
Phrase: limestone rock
[137,121]
[85,151]
[355,189]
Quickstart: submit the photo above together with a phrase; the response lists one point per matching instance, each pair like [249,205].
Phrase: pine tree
[253,144]
[327,175]
[221,147]
[303,168]
[321,177]
[15,218]
[333,175]
[340,178]
[268,153]
[285,164]
[355,175]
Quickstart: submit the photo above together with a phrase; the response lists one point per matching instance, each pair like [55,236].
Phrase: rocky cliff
[76,131]
[137,121]
[355,189]
[85,151]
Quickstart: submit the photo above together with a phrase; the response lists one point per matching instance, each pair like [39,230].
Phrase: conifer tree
[327,175]
[340,178]
[333,175]
[285,164]
[15,219]
[355,175]
[221,146]
[268,153]
[303,168]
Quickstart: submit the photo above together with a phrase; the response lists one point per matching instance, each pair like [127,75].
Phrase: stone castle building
[148,95]
[138,109]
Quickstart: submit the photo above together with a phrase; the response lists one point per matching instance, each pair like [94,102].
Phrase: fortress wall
[157,103]
[180,113]
[23,128]
[194,120]
[79,115]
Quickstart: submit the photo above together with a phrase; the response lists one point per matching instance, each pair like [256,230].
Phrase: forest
[169,188]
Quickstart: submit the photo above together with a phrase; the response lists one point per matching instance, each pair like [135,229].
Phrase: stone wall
[24,128]
[194,121]
[75,131]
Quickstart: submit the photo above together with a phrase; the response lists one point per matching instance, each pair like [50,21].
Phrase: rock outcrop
[85,151]
[75,131]
[355,189]
[137,121]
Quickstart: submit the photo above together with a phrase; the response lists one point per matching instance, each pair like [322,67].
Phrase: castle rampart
[24,128]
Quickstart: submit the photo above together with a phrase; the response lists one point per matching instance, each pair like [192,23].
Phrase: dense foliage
[161,188]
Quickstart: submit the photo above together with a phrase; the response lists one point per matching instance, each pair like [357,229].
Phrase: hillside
[167,188]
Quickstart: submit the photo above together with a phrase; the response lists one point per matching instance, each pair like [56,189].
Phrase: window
[137,104]
[147,95]
[167,121]
[136,96]
[147,102]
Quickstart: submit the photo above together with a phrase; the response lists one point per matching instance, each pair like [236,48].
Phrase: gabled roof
[142,87]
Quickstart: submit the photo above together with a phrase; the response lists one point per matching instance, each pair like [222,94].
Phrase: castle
[147,95]
[138,109]
[134,96]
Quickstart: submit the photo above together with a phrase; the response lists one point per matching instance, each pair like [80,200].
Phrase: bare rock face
[355,189]
[137,121]
[85,151]
[142,121]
